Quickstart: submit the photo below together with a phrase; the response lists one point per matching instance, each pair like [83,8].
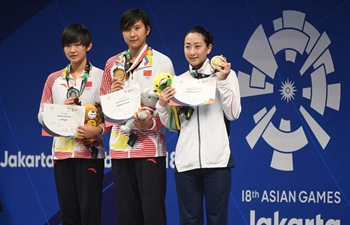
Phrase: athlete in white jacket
[203,155]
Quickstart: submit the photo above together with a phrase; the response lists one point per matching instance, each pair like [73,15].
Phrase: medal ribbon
[197,75]
[86,74]
[174,114]
[129,67]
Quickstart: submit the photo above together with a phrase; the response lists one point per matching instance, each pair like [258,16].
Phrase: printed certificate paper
[62,120]
[121,105]
[194,92]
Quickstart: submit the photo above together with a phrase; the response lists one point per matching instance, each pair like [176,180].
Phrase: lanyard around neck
[130,67]
[86,74]
[197,75]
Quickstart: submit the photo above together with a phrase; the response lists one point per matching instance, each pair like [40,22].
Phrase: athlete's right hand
[70,101]
[165,96]
[117,85]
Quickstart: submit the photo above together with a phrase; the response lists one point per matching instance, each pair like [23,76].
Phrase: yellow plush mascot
[161,81]
[93,117]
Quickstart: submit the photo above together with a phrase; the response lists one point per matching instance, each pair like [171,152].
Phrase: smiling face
[136,36]
[196,50]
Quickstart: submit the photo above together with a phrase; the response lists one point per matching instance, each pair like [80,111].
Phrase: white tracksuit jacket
[203,141]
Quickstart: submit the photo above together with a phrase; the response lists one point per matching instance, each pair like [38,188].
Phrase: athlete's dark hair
[207,36]
[132,16]
[76,33]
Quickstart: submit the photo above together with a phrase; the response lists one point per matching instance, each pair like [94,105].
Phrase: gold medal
[217,61]
[119,74]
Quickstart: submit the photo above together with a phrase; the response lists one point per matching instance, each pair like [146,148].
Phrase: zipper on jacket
[199,139]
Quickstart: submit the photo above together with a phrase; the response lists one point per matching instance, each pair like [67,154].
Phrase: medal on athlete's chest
[73,92]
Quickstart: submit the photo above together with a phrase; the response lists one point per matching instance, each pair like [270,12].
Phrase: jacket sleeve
[168,66]
[105,88]
[46,97]
[157,125]
[162,119]
[164,116]
[230,96]
[106,82]
[105,129]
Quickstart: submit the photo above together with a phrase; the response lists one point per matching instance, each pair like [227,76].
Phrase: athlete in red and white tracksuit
[139,171]
[55,91]
[78,175]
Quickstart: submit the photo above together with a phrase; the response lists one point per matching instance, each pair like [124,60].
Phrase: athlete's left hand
[224,70]
[143,124]
[88,131]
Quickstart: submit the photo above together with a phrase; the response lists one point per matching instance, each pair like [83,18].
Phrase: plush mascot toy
[93,117]
[161,81]
[149,100]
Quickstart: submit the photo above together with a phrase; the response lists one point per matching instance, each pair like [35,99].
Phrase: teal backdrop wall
[291,143]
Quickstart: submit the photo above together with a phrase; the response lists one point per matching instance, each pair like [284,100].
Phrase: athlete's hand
[165,96]
[143,124]
[70,101]
[88,131]
[224,70]
[117,85]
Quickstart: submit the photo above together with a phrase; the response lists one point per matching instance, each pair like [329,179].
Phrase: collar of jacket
[147,59]
[205,69]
